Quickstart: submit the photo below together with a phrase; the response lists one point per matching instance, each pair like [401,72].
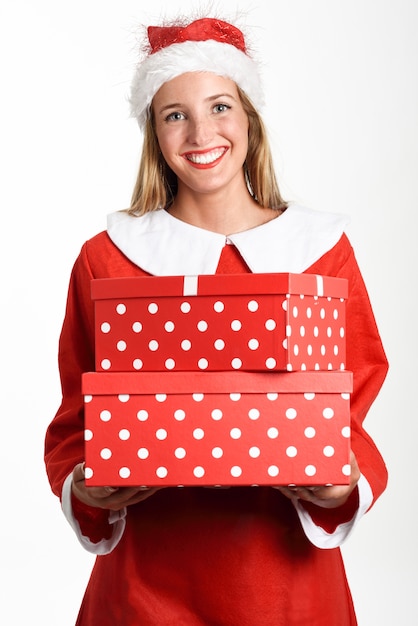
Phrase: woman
[206,201]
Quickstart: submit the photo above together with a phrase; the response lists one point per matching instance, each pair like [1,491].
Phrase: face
[202,131]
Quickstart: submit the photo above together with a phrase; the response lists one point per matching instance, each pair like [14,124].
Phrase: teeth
[204,159]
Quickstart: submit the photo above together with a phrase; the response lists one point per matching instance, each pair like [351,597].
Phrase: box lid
[106,383]
[219,284]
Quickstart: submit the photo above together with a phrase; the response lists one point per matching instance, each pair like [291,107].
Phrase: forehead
[195,84]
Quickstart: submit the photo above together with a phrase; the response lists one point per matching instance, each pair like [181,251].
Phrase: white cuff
[116,518]
[318,536]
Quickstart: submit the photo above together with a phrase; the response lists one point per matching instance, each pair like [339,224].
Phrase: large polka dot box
[206,428]
[247,322]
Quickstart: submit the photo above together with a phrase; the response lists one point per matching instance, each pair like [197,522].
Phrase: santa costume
[194,556]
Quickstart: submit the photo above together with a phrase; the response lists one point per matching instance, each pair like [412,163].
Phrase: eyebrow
[176,105]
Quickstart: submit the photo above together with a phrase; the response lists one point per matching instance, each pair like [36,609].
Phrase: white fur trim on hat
[222,59]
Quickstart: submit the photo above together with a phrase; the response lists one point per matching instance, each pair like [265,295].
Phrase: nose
[200,131]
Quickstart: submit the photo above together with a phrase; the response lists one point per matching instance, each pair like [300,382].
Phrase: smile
[205,159]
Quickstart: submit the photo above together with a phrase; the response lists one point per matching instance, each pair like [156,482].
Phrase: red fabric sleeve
[367,360]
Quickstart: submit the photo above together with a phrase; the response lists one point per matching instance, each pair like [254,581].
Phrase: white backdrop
[342,103]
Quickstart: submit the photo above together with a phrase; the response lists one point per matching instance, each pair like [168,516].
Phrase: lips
[205,159]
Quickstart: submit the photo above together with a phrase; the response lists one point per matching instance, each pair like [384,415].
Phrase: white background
[342,107]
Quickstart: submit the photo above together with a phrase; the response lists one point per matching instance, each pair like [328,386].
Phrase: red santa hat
[204,45]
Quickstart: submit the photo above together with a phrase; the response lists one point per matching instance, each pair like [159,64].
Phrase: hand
[326,497]
[112,498]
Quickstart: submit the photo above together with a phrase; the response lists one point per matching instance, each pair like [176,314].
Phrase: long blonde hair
[156,183]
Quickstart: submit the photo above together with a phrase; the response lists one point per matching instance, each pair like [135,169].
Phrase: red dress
[218,557]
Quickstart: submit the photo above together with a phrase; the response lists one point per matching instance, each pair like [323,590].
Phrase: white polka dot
[295,311]
[235,433]
[198,397]
[180,453]
[88,398]
[198,433]
[137,327]
[272,432]
[285,304]
[346,432]
[273,471]
[302,331]
[335,314]
[284,344]
[253,306]
[272,396]
[121,309]
[106,363]
[216,414]
[105,415]
[289,367]
[88,473]
[288,330]
[254,452]
[345,396]
[253,414]
[322,314]
[143,453]
[309,312]
[161,472]
[309,396]
[152,308]
[323,350]
[296,349]
[235,397]
[161,434]
[270,324]
[142,415]
[202,326]
[185,307]
[153,345]
[328,451]
[137,363]
[169,326]
[271,363]
[336,350]
[316,331]
[203,364]
[236,471]
[105,327]
[123,397]
[291,451]
[346,470]
[179,415]
[236,325]
[303,367]
[121,346]
[124,434]
[310,470]
[218,306]
[291,413]
[186,344]
[342,332]
[105,453]
[328,413]
[219,344]
[170,364]
[124,472]
[199,471]
[310,432]
[217,453]
[253,344]
[236,363]
[161,397]
[88,435]
[329,331]
[309,350]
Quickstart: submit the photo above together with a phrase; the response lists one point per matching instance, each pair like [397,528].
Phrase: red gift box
[252,322]
[205,428]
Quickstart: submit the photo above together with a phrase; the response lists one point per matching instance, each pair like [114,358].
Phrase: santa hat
[205,45]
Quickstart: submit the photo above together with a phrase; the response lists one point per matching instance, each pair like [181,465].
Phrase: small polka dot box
[226,322]
[206,428]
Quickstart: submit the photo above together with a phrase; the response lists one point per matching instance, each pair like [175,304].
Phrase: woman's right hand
[112,498]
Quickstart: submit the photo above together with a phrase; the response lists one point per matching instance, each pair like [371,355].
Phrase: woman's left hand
[327,497]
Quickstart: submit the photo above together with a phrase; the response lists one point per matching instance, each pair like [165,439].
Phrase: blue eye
[220,108]
[176,115]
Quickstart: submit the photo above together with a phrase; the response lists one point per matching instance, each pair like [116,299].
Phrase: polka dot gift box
[223,322]
[203,428]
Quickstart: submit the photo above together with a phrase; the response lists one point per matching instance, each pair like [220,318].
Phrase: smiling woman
[206,201]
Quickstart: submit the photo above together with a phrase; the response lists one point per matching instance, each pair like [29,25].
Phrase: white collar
[163,245]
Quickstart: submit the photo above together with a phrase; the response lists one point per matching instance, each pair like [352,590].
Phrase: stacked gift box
[218,380]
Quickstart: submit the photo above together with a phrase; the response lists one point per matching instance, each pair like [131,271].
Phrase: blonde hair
[156,183]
